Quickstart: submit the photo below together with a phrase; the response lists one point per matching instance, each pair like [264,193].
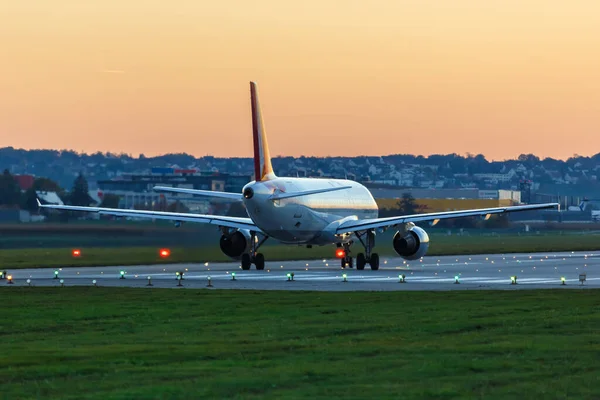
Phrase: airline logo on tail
[262,159]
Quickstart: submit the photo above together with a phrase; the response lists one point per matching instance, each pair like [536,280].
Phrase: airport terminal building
[136,190]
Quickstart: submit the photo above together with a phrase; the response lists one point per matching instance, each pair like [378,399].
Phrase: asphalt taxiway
[494,271]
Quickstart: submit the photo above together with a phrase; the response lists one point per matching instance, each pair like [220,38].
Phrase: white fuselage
[308,219]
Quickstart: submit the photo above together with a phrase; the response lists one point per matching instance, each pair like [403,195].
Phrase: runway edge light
[164,253]
[402,278]
[233,276]
[513,280]
[9,279]
[345,278]
[149,281]
[209,281]
[456,281]
[563,280]
[55,274]
[122,274]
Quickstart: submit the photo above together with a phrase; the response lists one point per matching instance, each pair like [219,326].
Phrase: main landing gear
[368,258]
[258,259]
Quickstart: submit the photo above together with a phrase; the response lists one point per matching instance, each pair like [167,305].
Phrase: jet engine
[236,244]
[412,243]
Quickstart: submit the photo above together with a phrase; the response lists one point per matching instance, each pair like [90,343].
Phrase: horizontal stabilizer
[280,196]
[197,192]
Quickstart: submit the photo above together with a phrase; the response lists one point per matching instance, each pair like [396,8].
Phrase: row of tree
[12,197]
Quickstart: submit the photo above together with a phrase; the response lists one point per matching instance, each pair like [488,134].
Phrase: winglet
[38,202]
[262,159]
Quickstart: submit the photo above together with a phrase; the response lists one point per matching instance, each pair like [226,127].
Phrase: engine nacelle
[411,244]
[236,244]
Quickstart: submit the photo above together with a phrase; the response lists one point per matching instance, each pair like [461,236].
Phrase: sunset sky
[497,77]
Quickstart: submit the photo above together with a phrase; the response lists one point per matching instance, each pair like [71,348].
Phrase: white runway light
[149,281]
[62,282]
[513,280]
[402,278]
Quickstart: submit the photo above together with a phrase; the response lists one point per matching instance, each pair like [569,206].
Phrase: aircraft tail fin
[263,170]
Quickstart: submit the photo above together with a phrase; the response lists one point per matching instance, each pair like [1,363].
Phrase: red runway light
[340,253]
[76,252]
[164,253]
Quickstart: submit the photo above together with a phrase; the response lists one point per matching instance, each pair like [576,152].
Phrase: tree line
[11,195]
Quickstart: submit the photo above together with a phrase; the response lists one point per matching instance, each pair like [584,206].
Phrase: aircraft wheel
[360,261]
[259,261]
[374,261]
[246,261]
[346,262]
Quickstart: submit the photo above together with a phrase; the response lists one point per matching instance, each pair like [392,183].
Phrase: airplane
[304,211]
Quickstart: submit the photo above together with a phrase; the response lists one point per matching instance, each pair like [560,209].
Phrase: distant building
[460,194]
[512,195]
[24,181]
[14,215]
[136,190]
[49,198]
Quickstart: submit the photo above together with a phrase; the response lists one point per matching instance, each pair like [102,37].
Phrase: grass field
[100,343]
[440,245]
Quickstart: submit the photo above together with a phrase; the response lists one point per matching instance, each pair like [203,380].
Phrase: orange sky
[346,77]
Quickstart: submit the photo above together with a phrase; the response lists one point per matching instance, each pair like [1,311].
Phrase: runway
[475,272]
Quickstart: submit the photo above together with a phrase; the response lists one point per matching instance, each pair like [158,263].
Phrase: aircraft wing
[218,220]
[364,224]
[197,192]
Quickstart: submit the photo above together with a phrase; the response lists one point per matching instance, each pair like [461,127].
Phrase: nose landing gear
[346,259]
